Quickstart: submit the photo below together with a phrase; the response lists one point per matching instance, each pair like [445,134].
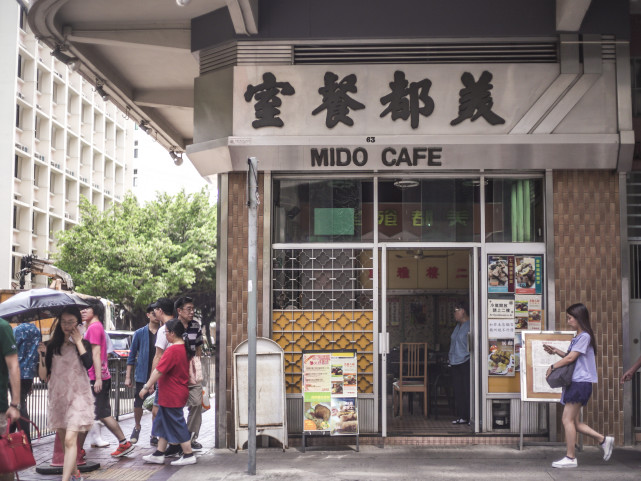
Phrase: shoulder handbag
[15,450]
[561,376]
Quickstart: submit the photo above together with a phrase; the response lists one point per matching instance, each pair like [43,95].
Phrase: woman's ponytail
[175,326]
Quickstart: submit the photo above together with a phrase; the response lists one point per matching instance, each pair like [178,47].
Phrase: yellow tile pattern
[296,331]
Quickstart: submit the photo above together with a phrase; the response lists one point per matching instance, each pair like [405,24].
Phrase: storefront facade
[399,175]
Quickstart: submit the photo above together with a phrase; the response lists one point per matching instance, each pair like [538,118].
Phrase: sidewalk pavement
[477,462]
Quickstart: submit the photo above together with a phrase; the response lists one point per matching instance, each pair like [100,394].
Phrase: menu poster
[541,361]
[317,397]
[316,373]
[500,273]
[500,308]
[501,358]
[535,362]
[344,375]
[500,328]
[528,274]
[535,320]
[330,389]
[528,312]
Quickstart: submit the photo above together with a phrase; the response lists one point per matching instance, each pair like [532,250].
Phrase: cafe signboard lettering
[384,100]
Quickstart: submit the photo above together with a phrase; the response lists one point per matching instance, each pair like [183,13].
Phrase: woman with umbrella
[64,366]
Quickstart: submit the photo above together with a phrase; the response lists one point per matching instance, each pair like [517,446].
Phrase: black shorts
[137,399]
[101,400]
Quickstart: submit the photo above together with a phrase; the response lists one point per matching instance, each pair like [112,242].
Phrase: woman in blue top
[582,351]
[459,357]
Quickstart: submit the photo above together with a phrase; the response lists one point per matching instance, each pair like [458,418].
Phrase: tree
[133,255]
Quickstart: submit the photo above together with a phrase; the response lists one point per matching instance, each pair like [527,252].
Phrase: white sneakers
[565,463]
[184,461]
[150,458]
[606,447]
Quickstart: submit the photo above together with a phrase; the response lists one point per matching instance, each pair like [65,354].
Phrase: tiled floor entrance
[413,423]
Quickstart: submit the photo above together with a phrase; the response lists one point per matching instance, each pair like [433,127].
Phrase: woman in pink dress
[64,366]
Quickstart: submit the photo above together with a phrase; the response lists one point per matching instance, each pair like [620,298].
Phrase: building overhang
[147,54]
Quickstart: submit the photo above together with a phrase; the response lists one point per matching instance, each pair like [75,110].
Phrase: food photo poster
[330,389]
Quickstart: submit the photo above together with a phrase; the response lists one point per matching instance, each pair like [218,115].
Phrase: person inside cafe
[459,359]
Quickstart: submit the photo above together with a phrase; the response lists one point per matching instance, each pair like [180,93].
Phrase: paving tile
[127,468]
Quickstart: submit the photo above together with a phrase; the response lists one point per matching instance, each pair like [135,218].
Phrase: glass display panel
[436,210]
[514,210]
[322,210]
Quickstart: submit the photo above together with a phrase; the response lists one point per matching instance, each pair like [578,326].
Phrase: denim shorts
[577,392]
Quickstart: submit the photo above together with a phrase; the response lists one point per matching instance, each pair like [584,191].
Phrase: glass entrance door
[420,288]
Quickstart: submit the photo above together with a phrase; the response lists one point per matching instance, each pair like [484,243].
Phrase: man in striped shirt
[184,307]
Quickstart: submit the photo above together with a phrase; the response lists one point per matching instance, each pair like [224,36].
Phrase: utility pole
[253,201]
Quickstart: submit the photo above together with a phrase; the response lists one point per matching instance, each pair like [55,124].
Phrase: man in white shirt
[164,311]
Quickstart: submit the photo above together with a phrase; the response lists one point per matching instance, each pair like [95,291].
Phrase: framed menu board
[535,363]
[330,389]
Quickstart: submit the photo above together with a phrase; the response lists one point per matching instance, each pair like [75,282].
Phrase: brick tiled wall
[587,258]
[237,276]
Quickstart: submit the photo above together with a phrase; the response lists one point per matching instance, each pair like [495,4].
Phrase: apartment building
[59,141]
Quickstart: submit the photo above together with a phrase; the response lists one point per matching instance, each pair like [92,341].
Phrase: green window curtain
[521,211]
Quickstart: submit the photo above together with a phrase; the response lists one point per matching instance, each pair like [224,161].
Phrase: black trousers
[25,390]
[461,384]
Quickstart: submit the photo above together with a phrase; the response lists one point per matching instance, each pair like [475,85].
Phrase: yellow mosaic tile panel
[296,331]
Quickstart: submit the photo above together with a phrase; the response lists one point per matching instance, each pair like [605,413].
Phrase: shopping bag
[206,403]
[148,403]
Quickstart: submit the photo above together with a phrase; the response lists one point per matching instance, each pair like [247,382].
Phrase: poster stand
[534,364]
[330,394]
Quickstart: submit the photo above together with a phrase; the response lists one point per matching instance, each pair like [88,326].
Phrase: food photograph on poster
[527,274]
[337,387]
[344,419]
[498,273]
[317,416]
[501,357]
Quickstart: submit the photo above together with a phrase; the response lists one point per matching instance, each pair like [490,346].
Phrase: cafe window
[322,210]
[514,210]
[429,210]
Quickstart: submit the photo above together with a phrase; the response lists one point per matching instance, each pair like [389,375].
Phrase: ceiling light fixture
[406,184]
[72,62]
[176,156]
[144,126]
[474,182]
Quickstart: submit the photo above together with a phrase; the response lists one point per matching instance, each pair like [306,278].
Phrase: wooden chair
[412,374]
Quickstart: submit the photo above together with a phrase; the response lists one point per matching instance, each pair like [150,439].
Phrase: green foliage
[133,255]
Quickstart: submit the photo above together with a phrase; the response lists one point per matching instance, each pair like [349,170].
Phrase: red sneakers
[123,449]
